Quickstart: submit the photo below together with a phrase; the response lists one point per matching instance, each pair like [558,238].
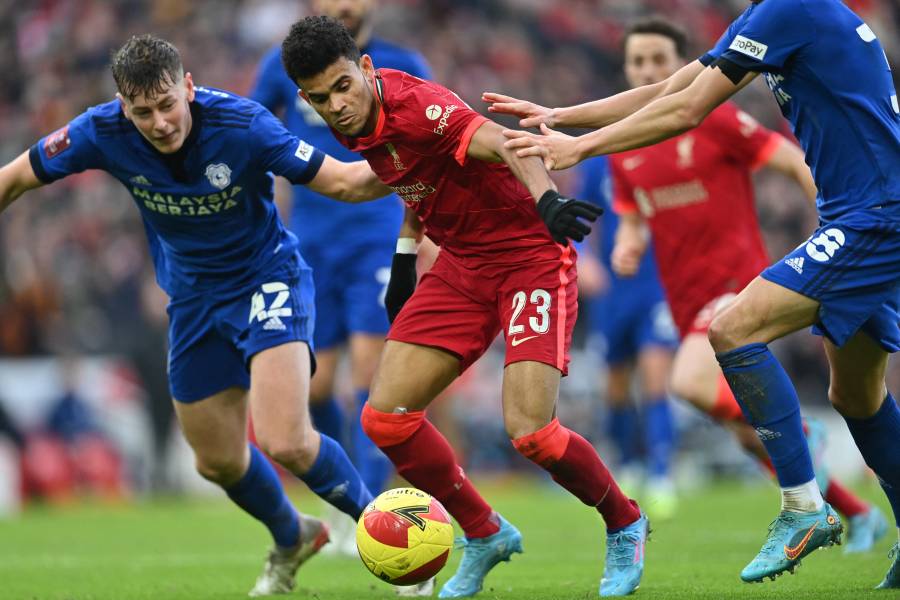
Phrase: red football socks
[426,460]
[843,500]
[574,464]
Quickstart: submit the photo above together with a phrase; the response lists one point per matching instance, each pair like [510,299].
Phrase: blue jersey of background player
[631,318]
[349,248]
[831,78]
[198,164]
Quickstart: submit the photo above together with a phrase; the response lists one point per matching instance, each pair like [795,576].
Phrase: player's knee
[544,446]
[722,333]
[296,453]
[390,429]
[220,469]
[855,401]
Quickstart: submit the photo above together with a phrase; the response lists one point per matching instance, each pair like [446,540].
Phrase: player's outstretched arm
[565,217]
[402,283]
[348,182]
[597,113]
[659,120]
[630,245]
[16,178]
[790,160]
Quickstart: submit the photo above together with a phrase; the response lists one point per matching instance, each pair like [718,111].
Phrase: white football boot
[282,564]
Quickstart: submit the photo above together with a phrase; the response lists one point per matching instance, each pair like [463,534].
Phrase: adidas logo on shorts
[795,263]
[274,324]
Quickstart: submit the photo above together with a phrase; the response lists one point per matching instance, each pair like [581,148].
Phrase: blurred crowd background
[82,345]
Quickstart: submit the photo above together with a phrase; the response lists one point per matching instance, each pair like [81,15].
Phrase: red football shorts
[460,307]
[705,317]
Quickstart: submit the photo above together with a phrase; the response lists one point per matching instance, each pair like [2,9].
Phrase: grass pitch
[207,549]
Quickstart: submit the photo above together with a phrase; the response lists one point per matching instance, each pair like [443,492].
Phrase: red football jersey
[696,194]
[472,209]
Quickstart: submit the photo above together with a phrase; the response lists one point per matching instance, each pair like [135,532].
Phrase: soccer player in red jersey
[500,269]
[695,193]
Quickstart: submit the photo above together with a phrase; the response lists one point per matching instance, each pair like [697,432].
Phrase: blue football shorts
[351,281]
[213,336]
[628,321]
[851,266]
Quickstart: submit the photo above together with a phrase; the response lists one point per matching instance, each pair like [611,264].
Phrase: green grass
[207,549]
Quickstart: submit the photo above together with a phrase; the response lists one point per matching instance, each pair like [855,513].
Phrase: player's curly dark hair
[145,65]
[313,44]
[660,26]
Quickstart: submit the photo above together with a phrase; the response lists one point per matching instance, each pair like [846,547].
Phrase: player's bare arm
[16,178]
[789,159]
[488,145]
[597,113]
[631,244]
[564,216]
[348,182]
[661,119]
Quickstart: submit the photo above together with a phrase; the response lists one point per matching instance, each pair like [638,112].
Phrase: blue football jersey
[316,220]
[207,209]
[832,80]
[596,187]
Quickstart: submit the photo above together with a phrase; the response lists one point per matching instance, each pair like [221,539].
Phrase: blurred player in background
[197,163]
[500,267]
[830,76]
[630,317]
[349,249]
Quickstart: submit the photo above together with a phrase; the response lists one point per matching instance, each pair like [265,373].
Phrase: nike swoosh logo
[516,342]
[793,553]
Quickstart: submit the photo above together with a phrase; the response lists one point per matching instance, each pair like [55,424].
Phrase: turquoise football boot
[625,559]
[792,536]
[864,530]
[892,579]
[480,556]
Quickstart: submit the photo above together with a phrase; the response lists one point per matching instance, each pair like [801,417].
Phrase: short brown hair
[145,65]
[659,26]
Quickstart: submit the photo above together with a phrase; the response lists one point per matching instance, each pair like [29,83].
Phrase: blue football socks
[769,402]
[328,418]
[334,479]
[659,436]
[260,493]
[622,429]
[877,439]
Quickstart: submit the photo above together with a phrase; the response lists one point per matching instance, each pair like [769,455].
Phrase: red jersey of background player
[471,208]
[696,195]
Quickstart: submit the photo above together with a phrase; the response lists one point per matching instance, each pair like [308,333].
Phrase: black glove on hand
[401,285]
[562,216]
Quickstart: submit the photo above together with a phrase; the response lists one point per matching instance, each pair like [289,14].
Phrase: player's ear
[366,65]
[189,86]
[124,105]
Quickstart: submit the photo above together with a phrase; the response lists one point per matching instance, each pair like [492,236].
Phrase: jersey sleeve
[71,149]
[623,201]
[276,150]
[772,32]
[438,122]
[266,87]
[723,42]
[741,137]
